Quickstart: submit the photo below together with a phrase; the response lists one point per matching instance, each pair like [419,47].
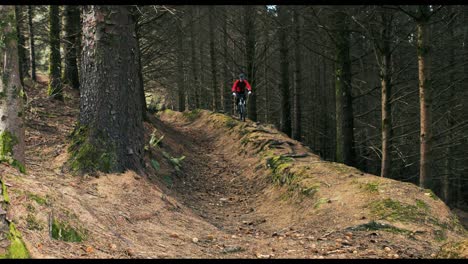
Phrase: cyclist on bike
[238,89]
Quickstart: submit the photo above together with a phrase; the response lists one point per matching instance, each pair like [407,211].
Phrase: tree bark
[284,72]
[345,152]
[144,106]
[195,89]
[214,83]
[386,82]
[249,23]
[425,99]
[297,129]
[32,54]
[55,82]
[72,31]
[180,64]
[23,63]
[109,136]
[11,100]
[227,102]
[449,151]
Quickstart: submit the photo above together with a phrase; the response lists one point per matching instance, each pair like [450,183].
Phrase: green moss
[320,202]
[6,198]
[279,166]
[7,143]
[230,123]
[310,190]
[87,156]
[372,187]
[440,235]
[65,232]
[431,194]
[192,115]
[394,210]
[16,249]
[373,226]
[422,205]
[40,200]
[454,250]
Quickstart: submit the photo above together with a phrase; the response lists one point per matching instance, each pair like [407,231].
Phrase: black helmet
[241,76]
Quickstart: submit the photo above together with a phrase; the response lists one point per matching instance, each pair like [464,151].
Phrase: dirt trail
[215,207]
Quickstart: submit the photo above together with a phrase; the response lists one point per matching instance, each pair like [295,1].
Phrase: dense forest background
[381,88]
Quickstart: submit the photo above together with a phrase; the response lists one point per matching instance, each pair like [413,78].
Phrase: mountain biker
[238,89]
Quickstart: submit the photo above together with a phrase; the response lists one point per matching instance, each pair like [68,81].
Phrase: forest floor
[217,202]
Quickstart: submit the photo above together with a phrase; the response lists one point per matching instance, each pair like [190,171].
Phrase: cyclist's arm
[234,86]
[247,84]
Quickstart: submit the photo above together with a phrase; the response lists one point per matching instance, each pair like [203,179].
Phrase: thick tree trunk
[461,179]
[345,152]
[32,54]
[55,82]
[11,100]
[284,72]
[386,82]
[180,65]
[144,106]
[195,89]
[216,105]
[72,31]
[249,23]
[297,129]
[23,63]
[109,136]
[425,100]
[449,150]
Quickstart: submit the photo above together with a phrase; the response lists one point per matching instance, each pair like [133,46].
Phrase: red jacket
[239,87]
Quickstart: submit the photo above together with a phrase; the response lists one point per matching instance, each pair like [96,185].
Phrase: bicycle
[242,107]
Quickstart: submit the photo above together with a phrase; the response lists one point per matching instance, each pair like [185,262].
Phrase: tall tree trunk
[55,82]
[345,152]
[249,23]
[23,63]
[109,136]
[461,182]
[425,99]
[214,83]
[386,82]
[284,72]
[227,102]
[297,129]
[11,101]
[265,73]
[447,175]
[32,54]
[203,94]
[195,89]
[72,29]
[180,64]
